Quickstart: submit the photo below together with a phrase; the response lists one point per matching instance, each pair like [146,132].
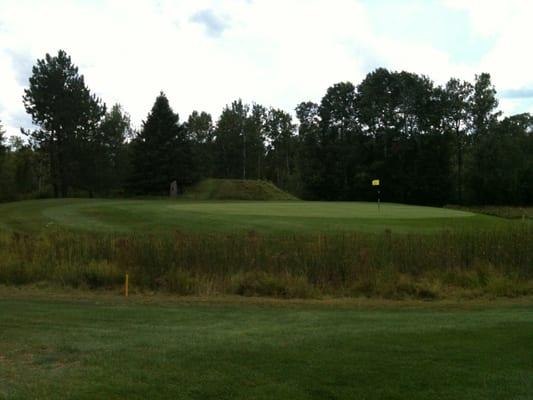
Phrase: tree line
[427,143]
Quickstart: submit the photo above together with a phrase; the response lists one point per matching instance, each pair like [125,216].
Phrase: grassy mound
[236,189]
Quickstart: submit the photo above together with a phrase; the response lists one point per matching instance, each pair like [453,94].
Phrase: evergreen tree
[161,152]
[68,116]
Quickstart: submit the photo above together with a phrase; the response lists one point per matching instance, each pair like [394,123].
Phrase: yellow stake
[126,284]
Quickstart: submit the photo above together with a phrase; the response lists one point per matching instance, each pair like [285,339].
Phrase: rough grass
[160,216]
[511,212]
[236,189]
[467,263]
[110,349]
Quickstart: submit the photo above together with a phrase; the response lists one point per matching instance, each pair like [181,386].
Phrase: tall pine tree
[68,116]
[161,152]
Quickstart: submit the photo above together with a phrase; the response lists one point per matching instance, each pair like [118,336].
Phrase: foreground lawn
[208,216]
[112,349]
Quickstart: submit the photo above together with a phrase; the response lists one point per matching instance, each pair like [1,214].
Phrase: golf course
[255,200]
[135,216]
[238,290]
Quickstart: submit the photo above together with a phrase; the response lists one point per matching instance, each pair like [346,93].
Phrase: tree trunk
[259,165]
[459,165]
[460,172]
[62,178]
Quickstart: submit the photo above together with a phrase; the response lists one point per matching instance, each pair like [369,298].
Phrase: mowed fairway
[206,216]
[112,349]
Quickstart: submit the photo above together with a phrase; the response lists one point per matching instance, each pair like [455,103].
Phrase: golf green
[156,215]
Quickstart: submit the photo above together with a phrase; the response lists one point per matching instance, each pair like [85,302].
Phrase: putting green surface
[321,210]
[112,349]
[204,216]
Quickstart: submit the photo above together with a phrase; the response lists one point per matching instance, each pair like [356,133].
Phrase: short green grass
[110,349]
[151,215]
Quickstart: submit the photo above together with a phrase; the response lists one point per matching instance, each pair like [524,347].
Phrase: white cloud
[509,61]
[275,52]
[214,24]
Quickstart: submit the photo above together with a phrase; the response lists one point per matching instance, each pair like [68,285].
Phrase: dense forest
[428,144]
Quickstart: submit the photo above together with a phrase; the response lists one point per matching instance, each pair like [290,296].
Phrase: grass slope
[208,216]
[57,349]
[236,189]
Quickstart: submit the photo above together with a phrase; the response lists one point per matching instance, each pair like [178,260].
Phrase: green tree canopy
[201,131]
[161,152]
[281,149]
[239,141]
[67,114]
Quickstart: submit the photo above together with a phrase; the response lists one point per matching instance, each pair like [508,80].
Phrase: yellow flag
[375,182]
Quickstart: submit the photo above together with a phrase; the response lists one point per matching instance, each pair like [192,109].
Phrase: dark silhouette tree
[200,131]
[457,121]
[161,152]
[67,114]
[112,166]
[282,146]
[3,147]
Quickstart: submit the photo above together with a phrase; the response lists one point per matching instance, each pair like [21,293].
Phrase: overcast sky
[206,53]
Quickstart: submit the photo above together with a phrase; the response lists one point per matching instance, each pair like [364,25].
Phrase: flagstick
[376,183]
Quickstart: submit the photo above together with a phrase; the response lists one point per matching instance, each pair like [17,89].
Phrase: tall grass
[510,212]
[498,262]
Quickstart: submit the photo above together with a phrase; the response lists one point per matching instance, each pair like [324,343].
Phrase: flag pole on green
[376,184]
